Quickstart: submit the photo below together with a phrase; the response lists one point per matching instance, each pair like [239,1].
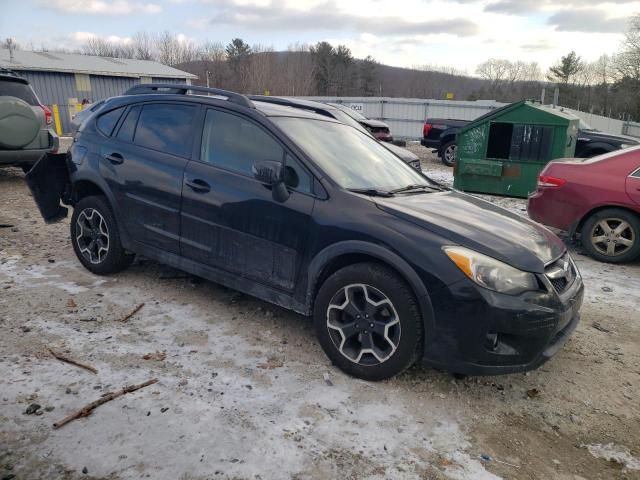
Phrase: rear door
[143,161]
[229,219]
[633,185]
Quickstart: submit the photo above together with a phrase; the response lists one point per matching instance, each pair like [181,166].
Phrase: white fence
[405,116]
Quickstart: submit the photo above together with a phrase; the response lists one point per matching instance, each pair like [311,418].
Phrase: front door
[144,161]
[229,219]
[633,185]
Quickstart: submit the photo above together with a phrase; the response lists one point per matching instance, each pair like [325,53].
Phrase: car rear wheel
[448,153]
[368,321]
[612,235]
[95,237]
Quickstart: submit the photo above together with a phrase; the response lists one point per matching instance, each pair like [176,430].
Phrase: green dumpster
[503,151]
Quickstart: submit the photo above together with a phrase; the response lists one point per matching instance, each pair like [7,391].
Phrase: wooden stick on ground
[133,312]
[72,361]
[107,397]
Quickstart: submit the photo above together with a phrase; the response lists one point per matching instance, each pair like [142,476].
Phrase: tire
[448,153]
[343,327]
[619,243]
[19,125]
[95,237]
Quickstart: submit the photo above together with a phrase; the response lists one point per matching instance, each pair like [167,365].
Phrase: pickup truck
[440,135]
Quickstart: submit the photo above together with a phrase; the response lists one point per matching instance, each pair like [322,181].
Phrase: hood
[373,123]
[598,136]
[403,153]
[479,225]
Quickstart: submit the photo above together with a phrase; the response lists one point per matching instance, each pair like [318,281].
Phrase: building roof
[89,64]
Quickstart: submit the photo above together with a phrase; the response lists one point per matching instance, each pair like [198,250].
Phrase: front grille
[561,273]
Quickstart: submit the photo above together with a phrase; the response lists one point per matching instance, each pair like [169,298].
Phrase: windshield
[347,120]
[353,160]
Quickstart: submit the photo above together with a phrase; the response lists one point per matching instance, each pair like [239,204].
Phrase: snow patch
[614,453]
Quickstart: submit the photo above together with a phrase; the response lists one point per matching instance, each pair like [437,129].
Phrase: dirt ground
[241,389]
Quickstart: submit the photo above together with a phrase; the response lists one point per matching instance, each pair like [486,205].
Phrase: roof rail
[183,89]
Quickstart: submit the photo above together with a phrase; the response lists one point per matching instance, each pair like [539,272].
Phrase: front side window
[235,143]
[350,158]
[166,128]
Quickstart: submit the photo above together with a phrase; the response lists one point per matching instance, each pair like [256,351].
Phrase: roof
[499,112]
[89,64]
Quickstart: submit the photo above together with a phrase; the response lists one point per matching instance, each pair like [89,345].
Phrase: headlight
[627,145]
[491,273]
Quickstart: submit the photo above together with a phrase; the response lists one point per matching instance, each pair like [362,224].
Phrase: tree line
[608,86]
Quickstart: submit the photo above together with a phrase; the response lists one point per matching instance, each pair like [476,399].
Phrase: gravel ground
[241,391]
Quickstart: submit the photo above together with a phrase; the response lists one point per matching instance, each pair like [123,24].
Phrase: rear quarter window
[19,90]
[107,121]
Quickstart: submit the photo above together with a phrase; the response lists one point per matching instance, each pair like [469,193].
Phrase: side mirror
[268,172]
[271,174]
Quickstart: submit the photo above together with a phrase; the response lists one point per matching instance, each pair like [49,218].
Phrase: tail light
[426,129]
[549,181]
[47,114]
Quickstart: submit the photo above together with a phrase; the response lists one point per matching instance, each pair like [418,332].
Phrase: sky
[455,33]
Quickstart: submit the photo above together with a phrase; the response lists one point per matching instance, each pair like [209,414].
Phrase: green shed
[503,151]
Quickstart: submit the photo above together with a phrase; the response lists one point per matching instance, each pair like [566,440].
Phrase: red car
[597,198]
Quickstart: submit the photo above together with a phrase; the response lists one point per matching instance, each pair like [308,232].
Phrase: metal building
[64,81]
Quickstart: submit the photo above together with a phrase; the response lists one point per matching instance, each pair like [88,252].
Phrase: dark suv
[25,124]
[260,198]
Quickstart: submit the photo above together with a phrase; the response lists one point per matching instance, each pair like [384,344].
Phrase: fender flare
[97,180]
[325,256]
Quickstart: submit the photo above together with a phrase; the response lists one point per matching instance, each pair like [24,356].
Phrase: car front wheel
[95,237]
[368,321]
[612,235]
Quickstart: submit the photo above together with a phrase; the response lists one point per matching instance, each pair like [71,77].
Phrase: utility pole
[207,73]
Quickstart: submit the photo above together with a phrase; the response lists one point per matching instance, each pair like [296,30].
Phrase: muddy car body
[392,266]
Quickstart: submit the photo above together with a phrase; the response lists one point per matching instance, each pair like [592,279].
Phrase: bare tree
[143,44]
[495,71]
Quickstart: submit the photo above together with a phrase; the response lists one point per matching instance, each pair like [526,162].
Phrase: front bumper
[480,332]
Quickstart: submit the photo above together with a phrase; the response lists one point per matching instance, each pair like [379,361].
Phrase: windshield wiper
[373,192]
[410,188]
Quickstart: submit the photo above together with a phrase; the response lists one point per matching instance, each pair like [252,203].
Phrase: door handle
[198,186]
[115,158]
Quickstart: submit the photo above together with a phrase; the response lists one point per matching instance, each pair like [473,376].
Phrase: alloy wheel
[363,324]
[612,236]
[450,154]
[92,235]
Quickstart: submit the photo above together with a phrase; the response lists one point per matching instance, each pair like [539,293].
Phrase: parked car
[597,199]
[336,113]
[258,197]
[378,129]
[25,124]
[440,135]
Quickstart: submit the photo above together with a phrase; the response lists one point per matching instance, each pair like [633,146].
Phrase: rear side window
[234,143]
[636,174]
[128,127]
[107,121]
[19,90]
[166,127]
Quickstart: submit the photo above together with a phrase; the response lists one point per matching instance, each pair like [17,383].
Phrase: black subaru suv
[311,214]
